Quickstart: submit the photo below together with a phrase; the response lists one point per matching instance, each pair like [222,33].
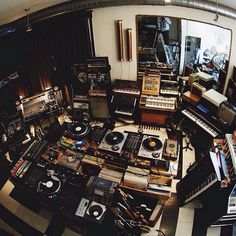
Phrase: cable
[72,95]
[4,128]
[129,70]
[137,174]
[152,178]
[121,73]
[159,231]
[144,170]
[158,171]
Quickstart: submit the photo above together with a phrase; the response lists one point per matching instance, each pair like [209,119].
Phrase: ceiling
[228,3]
[11,10]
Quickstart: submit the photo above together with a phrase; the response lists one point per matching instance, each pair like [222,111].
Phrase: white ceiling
[11,10]
[228,3]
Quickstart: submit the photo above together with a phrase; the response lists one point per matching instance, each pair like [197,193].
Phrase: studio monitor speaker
[120,40]
[129,44]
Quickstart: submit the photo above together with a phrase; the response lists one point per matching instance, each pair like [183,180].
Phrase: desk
[161,132]
[69,185]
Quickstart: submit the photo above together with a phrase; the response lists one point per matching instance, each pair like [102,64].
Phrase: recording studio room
[117,118]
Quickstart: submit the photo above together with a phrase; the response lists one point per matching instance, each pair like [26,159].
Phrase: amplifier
[98,62]
[198,89]
[39,104]
[98,69]
[99,104]
[227,113]
[101,189]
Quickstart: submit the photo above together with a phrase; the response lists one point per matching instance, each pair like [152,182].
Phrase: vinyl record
[82,77]
[49,185]
[152,144]
[114,138]
[52,155]
[79,129]
[95,211]
[172,145]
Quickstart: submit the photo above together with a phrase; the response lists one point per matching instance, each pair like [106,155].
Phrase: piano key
[200,123]
[231,145]
[202,189]
[169,92]
[160,105]
[127,91]
[161,99]
[122,112]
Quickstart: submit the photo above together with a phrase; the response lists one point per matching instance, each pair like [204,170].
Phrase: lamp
[217,11]
[28,25]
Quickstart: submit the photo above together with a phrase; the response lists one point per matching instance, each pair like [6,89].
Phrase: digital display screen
[202,108]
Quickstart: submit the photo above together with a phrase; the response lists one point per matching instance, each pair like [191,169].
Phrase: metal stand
[187,145]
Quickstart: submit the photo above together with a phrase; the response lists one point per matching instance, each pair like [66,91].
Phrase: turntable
[113,141]
[171,150]
[95,211]
[151,147]
[49,186]
[52,155]
[78,130]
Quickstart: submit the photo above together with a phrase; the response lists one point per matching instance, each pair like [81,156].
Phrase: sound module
[39,104]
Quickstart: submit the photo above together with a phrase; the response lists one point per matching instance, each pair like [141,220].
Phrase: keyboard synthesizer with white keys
[201,121]
[199,179]
[158,103]
[169,87]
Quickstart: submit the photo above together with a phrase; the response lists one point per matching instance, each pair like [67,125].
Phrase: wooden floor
[20,217]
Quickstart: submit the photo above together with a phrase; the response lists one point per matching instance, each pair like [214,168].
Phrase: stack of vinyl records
[109,174]
[136,178]
[159,183]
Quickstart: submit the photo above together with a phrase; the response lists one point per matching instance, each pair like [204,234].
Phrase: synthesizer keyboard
[202,177]
[232,149]
[160,105]
[126,112]
[169,92]
[161,99]
[169,87]
[210,180]
[124,105]
[164,103]
[201,122]
[127,91]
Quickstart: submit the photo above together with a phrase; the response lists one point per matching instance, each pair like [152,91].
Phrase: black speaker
[81,83]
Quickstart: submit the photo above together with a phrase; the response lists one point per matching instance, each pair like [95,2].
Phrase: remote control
[83,205]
